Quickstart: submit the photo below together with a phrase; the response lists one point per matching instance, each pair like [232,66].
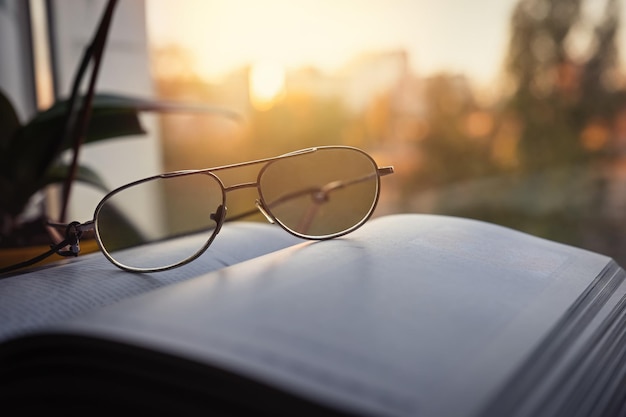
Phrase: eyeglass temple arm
[382,171]
[318,193]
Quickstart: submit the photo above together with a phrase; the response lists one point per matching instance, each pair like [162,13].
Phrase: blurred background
[509,111]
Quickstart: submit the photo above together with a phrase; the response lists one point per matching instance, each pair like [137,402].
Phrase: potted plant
[30,152]
[29,158]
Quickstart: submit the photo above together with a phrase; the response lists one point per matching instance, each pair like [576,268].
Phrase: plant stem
[79,129]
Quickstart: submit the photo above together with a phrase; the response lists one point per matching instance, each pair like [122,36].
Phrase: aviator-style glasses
[316,193]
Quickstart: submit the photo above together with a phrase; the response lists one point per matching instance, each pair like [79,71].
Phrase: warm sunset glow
[267,84]
[225,35]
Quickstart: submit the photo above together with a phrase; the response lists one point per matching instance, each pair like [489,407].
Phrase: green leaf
[29,151]
[9,123]
[112,124]
[38,144]
[18,194]
[105,101]
[58,173]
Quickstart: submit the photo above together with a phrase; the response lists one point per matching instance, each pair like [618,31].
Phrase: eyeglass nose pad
[219,216]
[259,206]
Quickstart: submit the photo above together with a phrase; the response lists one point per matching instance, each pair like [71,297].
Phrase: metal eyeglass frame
[75,230]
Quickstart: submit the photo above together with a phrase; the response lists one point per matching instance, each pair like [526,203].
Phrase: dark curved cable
[72,236]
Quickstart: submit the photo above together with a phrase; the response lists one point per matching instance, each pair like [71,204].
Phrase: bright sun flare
[267,83]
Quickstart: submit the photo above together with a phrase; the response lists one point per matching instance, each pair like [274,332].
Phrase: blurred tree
[454,142]
[562,67]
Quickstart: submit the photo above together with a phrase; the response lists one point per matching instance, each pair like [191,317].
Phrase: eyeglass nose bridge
[258,203]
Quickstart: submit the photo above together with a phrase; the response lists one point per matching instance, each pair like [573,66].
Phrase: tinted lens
[154,211]
[321,194]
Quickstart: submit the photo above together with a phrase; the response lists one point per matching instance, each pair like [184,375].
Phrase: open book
[411,315]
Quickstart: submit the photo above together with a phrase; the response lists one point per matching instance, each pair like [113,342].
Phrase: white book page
[73,287]
[392,319]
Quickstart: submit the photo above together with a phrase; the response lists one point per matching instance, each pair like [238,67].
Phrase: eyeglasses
[316,193]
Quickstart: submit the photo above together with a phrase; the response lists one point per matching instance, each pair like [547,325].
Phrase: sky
[458,36]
